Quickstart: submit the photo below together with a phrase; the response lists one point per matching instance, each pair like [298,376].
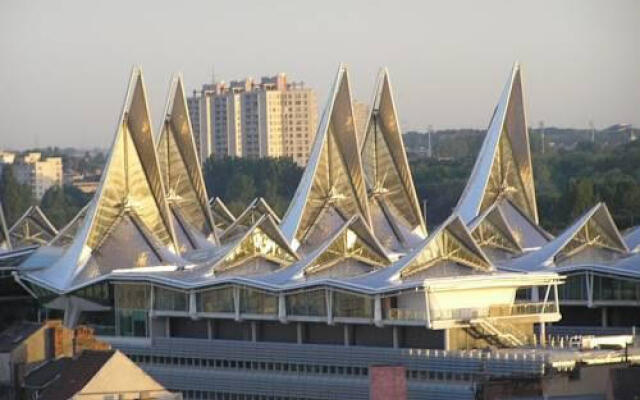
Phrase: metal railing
[493,311]
[400,314]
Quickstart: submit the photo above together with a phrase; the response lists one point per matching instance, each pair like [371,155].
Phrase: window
[216,300]
[352,306]
[171,300]
[257,302]
[308,303]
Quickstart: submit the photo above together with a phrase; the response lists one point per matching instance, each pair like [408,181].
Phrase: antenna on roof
[542,136]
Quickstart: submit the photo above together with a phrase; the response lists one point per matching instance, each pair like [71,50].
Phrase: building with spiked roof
[172,277]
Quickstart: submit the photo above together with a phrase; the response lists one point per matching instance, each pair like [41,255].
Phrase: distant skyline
[65,65]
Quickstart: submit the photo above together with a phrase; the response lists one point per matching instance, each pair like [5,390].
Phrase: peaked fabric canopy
[262,245]
[392,197]
[332,188]
[179,164]
[248,217]
[503,167]
[594,231]
[353,243]
[32,228]
[491,230]
[451,244]
[128,223]
[132,182]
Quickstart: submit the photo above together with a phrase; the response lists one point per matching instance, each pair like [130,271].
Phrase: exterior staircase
[497,333]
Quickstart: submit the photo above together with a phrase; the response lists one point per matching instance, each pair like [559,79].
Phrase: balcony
[494,311]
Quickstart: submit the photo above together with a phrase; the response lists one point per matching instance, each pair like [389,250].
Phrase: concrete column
[377,311]
[209,329]
[396,337]
[604,317]
[282,308]
[167,327]
[299,332]
[193,310]
[329,300]
[347,335]
[254,331]
[543,334]
[236,302]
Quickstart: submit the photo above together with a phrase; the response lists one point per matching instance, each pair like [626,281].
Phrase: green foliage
[61,204]
[16,198]
[567,183]
[239,180]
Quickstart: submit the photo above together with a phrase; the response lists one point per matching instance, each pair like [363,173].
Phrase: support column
[299,332]
[236,302]
[254,331]
[543,334]
[282,308]
[167,327]
[604,317]
[377,311]
[347,335]
[209,329]
[193,310]
[329,301]
[396,337]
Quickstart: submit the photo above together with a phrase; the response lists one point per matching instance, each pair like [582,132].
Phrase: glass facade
[170,300]
[573,289]
[216,300]
[612,289]
[352,306]
[132,309]
[257,302]
[100,293]
[311,303]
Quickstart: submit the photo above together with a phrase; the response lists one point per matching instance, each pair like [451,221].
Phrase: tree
[581,196]
[61,204]
[16,197]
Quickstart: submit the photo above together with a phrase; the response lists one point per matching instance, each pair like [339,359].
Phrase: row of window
[300,369]
[251,301]
[207,395]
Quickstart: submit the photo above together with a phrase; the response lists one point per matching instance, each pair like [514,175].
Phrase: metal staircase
[499,334]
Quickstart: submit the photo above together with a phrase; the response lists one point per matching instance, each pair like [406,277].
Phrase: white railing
[493,311]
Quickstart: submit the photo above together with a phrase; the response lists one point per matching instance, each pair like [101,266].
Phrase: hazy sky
[64,65]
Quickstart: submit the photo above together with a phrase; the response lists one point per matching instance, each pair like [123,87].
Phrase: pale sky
[64,65]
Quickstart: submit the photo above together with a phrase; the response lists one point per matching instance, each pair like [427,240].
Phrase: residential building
[25,346]
[38,172]
[270,118]
[94,375]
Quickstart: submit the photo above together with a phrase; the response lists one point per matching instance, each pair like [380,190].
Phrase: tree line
[567,184]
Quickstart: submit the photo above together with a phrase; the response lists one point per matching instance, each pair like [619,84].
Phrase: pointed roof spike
[32,228]
[450,245]
[256,209]
[5,239]
[352,241]
[494,234]
[593,229]
[128,222]
[333,181]
[264,240]
[452,242]
[503,168]
[392,195]
[179,166]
